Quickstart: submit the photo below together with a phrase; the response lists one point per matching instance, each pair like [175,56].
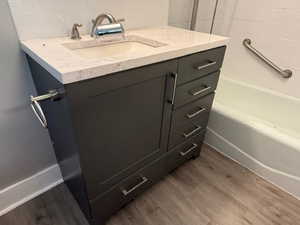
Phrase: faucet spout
[99,20]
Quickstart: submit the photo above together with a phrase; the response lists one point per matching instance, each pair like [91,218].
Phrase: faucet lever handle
[75,33]
[120,20]
[76,25]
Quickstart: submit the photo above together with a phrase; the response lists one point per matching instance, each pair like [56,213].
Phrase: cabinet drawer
[193,111]
[197,65]
[183,132]
[196,89]
[184,152]
[105,205]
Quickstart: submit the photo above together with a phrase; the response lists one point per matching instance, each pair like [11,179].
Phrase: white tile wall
[273,26]
[51,18]
[181,10]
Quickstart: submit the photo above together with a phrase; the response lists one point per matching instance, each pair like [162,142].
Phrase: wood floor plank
[211,190]
[251,190]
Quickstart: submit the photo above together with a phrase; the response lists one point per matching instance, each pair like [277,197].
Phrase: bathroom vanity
[122,121]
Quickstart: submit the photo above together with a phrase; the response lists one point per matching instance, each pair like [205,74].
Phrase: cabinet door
[120,130]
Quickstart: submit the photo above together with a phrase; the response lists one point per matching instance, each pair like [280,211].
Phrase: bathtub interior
[273,109]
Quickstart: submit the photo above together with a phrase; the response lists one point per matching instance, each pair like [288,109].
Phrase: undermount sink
[93,49]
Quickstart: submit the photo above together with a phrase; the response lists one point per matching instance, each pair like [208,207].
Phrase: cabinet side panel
[61,133]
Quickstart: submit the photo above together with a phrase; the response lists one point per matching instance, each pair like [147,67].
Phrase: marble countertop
[68,67]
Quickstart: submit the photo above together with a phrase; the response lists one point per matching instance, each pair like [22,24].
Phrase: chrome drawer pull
[144,180]
[37,109]
[209,64]
[198,92]
[192,115]
[192,132]
[189,150]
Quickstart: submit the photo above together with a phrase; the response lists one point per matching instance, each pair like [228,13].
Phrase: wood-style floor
[211,190]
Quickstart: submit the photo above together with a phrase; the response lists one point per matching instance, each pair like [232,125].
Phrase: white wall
[25,146]
[180,13]
[52,18]
[273,27]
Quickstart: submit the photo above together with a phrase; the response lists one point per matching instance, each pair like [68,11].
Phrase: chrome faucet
[99,29]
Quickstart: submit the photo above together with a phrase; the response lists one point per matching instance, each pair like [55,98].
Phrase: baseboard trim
[29,188]
[286,182]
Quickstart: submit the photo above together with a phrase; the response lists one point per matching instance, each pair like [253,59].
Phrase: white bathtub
[259,129]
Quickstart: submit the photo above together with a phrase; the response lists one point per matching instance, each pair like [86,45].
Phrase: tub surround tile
[68,67]
[274,29]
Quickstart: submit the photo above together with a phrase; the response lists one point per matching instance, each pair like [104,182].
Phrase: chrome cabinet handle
[127,192]
[192,115]
[174,75]
[192,132]
[209,64]
[189,150]
[37,109]
[198,92]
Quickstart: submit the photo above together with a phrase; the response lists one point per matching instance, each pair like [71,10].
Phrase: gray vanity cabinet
[114,136]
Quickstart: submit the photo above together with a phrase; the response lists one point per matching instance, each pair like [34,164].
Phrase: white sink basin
[130,45]
[112,50]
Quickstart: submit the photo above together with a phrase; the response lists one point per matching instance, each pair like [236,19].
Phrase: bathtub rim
[284,180]
[259,125]
[259,88]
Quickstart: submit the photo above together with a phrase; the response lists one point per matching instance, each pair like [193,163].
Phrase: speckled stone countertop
[68,67]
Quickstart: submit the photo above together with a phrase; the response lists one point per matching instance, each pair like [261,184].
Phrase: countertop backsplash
[46,19]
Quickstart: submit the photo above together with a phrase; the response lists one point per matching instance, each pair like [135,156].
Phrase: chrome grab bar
[284,73]
[37,109]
